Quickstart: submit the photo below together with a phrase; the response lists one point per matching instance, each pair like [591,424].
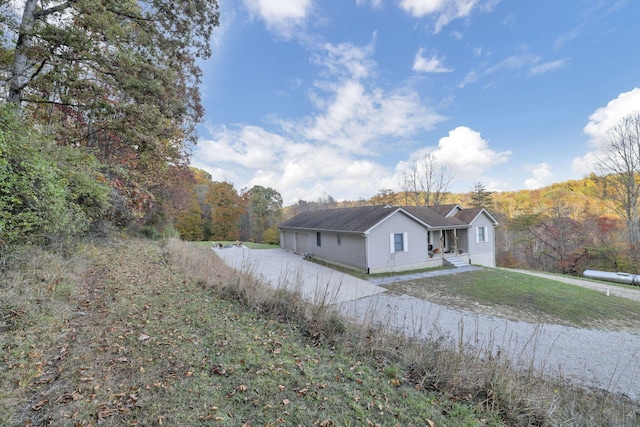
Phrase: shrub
[48,194]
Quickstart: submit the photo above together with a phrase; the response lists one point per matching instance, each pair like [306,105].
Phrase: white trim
[392,242]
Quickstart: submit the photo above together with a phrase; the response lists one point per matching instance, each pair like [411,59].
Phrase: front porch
[450,242]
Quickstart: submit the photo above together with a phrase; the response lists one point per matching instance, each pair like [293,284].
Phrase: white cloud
[445,10]
[346,60]
[332,151]
[467,153]
[542,176]
[297,170]
[515,63]
[599,124]
[584,165]
[470,78]
[420,8]
[375,3]
[283,17]
[355,114]
[464,151]
[356,119]
[248,146]
[605,117]
[429,65]
[548,66]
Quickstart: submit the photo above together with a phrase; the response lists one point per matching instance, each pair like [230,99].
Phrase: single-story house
[377,239]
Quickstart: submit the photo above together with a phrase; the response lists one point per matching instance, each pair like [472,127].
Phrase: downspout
[366,252]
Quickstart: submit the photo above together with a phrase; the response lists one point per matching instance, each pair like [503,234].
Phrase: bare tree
[429,180]
[620,168]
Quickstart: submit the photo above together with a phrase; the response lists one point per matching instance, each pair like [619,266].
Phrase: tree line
[98,105]
[217,211]
[99,100]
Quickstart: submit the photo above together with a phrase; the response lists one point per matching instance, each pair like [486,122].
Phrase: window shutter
[392,244]
[405,242]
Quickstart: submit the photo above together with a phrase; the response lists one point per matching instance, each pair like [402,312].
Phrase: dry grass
[138,333]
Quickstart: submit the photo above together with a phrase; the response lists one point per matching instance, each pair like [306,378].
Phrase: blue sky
[338,97]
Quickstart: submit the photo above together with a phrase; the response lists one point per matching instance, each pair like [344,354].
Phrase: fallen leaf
[39,405]
[431,423]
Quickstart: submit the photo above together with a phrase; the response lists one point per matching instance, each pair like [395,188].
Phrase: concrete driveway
[600,358]
[281,268]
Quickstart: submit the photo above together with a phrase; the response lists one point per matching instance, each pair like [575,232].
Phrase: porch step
[457,262]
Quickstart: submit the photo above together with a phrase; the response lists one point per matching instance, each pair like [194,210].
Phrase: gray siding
[380,256]
[482,253]
[350,251]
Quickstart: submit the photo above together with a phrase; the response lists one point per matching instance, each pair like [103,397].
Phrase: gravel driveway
[605,359]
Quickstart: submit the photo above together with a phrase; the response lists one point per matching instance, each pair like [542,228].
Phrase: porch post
[455,240]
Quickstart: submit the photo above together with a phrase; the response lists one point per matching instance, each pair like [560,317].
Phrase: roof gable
[446,210]
[470,215]
[434,217]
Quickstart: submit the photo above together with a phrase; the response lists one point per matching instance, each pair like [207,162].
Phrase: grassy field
[122,335]
[141,333]
[525,297]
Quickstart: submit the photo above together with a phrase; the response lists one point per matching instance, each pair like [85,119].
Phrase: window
[481,235]
[398,242]
[339,237]
[318,239]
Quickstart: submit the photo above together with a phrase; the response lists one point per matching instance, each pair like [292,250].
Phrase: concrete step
[457,262]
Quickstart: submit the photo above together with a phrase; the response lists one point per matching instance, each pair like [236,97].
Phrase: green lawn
[533,297]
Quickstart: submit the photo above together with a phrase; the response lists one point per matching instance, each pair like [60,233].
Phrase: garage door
[301,242]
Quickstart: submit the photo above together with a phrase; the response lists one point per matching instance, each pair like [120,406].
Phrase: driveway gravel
[606,359]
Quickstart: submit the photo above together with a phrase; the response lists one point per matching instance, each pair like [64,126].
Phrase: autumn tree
[263,211]
[189,221]
[384,196]
[119,78]
[226,211]
[620,168]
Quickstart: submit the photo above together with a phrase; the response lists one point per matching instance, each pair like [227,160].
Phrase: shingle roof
[443,209]
[468,215]
[362,218]
[357,219]
[434,217]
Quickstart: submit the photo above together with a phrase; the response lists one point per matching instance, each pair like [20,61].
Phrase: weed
[148,334]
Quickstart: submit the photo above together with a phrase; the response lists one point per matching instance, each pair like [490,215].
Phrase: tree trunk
[19,78]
